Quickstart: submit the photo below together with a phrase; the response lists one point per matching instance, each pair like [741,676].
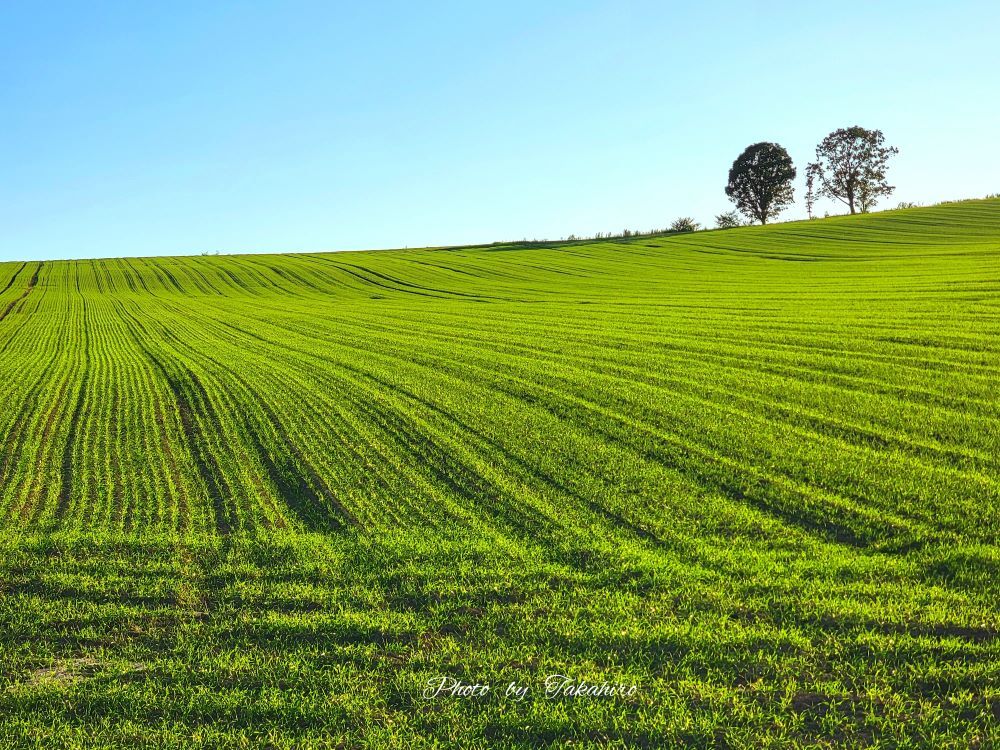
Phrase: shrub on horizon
[685,224]
[729,220]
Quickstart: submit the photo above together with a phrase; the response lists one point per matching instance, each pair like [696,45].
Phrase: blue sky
[182,127]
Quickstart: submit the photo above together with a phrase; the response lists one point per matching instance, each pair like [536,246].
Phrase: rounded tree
[760,181]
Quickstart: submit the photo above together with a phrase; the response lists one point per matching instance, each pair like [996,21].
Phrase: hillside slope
[741,468]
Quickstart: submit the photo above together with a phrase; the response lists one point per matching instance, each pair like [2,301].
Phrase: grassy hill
[262,500]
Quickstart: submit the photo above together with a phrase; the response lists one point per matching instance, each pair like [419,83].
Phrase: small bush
[729,220]
[685,224]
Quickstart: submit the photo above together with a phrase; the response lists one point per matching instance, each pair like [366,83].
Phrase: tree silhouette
[760,181]
[850,167]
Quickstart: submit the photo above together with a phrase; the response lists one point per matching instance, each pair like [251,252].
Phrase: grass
[261,501]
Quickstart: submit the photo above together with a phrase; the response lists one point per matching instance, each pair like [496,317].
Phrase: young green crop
[263,500]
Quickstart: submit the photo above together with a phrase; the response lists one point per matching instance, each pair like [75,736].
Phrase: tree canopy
[851,167]
[760,181]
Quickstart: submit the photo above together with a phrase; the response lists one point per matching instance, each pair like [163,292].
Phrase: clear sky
[141,128]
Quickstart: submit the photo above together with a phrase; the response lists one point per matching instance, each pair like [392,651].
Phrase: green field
[259,501]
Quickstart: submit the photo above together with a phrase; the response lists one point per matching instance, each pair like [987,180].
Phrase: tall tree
[850,167]
[760,181]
